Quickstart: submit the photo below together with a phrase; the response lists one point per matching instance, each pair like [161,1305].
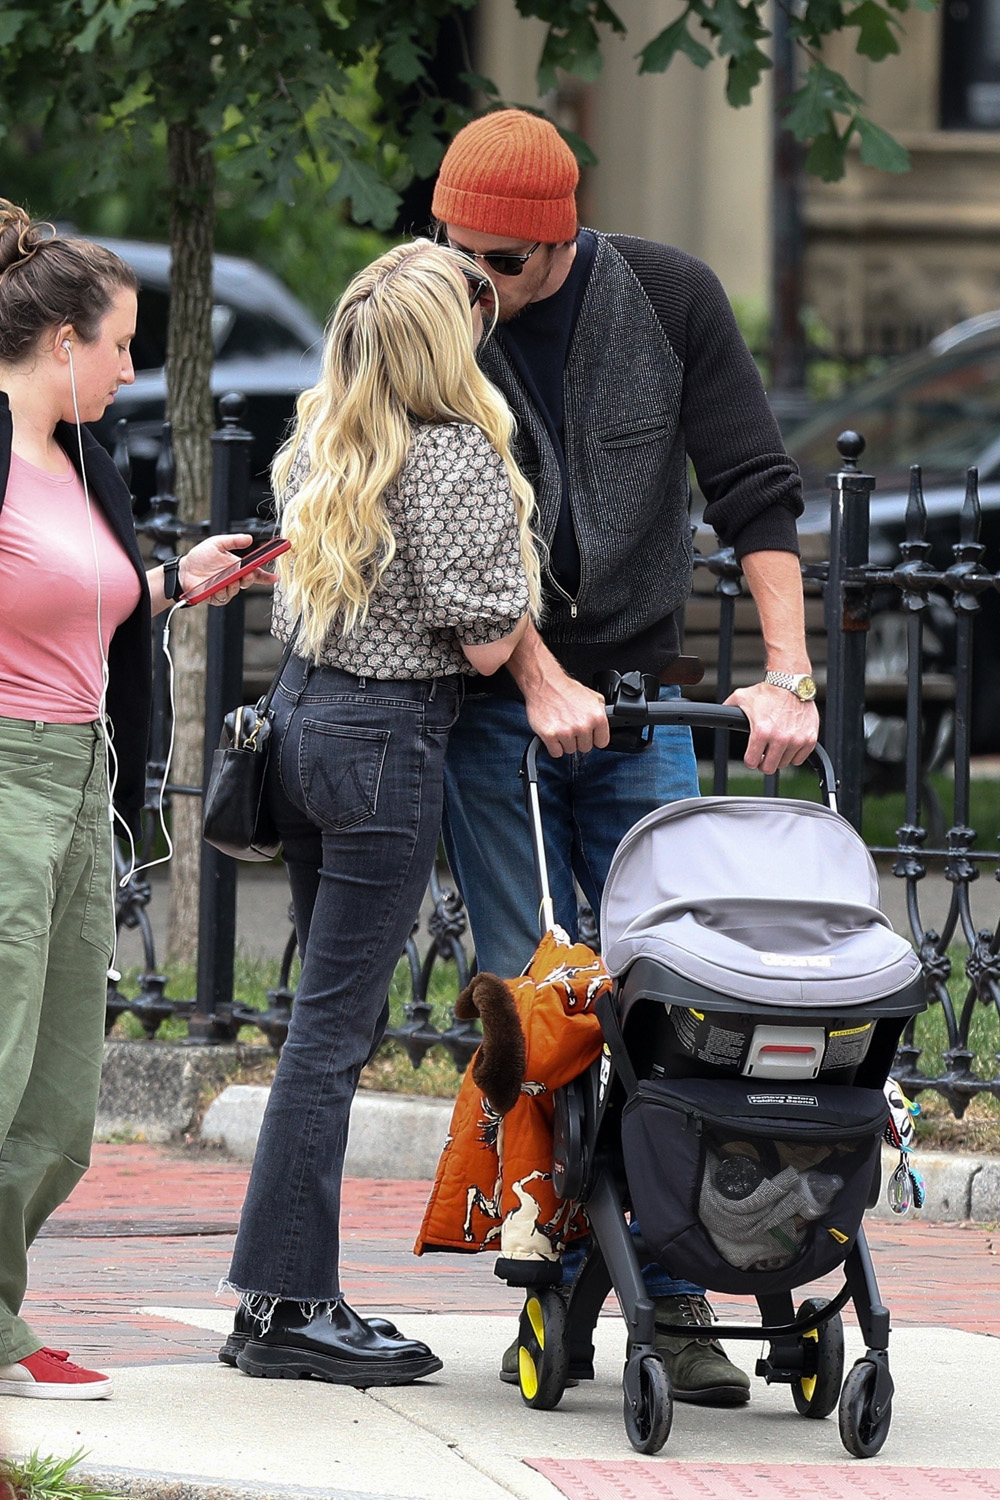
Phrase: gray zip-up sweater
[657,373]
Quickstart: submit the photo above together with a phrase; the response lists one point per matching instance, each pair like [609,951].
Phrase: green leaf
[819,19]
[423,146]
[658,54]
[554,12]
[578,146]
[825,158]
[372,201]
[111,18]
[738,26]
[11,22]
[480,84]
[743,76]
[573,47]
[879,149]
[402,60]
[825,93]
[877,38]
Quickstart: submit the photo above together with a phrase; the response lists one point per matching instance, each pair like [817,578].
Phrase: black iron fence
[852,588]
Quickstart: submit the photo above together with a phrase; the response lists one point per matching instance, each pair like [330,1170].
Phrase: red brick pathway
[151,1227]
[589,1479]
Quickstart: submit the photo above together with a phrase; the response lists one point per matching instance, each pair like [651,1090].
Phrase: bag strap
[263,704]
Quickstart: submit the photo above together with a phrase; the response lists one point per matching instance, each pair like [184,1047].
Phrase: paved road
[125,1278]
[263,926]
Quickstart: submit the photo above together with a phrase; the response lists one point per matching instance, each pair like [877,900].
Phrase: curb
[156,1090]
[959,1189]
[149,1484]
[402,1135]
[397,1136]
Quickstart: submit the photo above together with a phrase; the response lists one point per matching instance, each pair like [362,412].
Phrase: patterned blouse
[457,574]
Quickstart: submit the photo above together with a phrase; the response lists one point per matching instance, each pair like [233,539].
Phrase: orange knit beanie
[509,174]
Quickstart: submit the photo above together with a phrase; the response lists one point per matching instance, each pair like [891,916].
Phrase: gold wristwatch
[799,683]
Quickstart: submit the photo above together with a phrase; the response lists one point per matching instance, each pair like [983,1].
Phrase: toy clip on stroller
[737,1110]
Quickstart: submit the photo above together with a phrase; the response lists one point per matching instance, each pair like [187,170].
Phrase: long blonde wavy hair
[399,347]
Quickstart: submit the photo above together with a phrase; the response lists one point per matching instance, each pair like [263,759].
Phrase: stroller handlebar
[670,711]
[695,716]
[719,716]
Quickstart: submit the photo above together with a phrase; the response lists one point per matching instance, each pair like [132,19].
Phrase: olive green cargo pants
[56,937]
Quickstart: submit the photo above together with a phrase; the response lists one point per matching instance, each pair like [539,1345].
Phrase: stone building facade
[889,260]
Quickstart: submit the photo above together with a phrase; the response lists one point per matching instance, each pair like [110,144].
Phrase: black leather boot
[337,1345]
[246,1325]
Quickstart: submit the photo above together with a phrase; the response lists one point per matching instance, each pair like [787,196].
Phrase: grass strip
[46,1478]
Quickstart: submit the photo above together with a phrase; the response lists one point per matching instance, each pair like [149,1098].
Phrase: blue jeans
[355,783]
[588,804]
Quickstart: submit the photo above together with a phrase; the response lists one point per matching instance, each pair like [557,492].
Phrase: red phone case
[253,560]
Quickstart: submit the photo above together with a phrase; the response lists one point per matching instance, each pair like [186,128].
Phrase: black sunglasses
[499,261]
[477,284]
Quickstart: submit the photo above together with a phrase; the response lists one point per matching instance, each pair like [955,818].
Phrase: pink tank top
[50,662]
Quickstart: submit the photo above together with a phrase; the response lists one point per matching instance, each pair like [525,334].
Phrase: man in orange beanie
[621,360]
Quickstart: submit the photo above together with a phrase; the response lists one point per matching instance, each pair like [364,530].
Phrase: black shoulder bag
[235,816]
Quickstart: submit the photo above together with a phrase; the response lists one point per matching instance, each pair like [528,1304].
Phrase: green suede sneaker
[700,1370]
[508,1365]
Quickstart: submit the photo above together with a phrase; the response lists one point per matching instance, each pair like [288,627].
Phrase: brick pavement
[584,1479]
[153,1227]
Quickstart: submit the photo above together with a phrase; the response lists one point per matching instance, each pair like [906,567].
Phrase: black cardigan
[130,652]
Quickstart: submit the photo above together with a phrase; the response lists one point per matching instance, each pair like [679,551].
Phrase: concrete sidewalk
[124,1277]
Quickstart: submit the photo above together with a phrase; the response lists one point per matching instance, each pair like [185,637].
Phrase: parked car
[940,409]
[267,346]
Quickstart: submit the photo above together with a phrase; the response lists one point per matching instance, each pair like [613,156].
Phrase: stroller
[737,1110]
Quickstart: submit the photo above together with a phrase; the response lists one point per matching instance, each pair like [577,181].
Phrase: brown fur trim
[498,1066]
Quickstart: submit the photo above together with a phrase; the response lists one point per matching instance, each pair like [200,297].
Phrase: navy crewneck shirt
[538,342]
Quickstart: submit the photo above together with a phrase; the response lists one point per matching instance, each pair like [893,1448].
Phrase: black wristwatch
[172,578]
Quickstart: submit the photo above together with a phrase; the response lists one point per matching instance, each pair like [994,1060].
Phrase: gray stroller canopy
[760,898]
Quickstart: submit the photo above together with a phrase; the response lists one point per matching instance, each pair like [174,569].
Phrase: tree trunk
[191,174]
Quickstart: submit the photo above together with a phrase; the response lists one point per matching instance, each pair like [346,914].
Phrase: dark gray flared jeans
[355,778]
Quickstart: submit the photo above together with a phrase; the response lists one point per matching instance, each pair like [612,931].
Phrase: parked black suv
[940,409]
[267,346]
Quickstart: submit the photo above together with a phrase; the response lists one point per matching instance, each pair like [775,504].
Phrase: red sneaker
[50,1375]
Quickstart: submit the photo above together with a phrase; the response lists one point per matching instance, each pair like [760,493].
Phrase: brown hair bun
[47,279]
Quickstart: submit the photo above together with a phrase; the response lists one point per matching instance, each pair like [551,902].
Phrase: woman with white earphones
[75,665]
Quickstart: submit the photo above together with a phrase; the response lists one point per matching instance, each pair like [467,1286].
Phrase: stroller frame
[556,1337]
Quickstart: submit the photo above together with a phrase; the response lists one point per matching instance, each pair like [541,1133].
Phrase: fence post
[163,526]
[212,1018]
[847,617]
[728,588]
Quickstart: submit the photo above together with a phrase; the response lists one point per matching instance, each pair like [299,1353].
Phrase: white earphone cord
[110,758]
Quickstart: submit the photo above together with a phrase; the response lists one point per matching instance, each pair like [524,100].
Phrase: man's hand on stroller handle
[783,731]
[566,716]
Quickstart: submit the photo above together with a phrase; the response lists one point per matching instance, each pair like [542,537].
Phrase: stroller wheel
[817,1392]
[542,1357]
[864,1426]
[649,1404]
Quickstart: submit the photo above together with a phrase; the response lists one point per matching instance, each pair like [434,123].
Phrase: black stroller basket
[736,1116]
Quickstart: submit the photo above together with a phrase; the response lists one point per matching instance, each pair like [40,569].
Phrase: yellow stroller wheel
[816,1394]
[542,1357]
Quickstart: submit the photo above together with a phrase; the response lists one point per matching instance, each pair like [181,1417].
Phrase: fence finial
[850,446]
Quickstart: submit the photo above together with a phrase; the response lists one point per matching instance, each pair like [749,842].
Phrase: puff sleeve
[462,534]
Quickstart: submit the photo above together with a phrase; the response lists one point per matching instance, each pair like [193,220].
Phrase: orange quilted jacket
[493,1189]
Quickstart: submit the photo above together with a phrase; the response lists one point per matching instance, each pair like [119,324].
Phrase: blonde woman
[411,566]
